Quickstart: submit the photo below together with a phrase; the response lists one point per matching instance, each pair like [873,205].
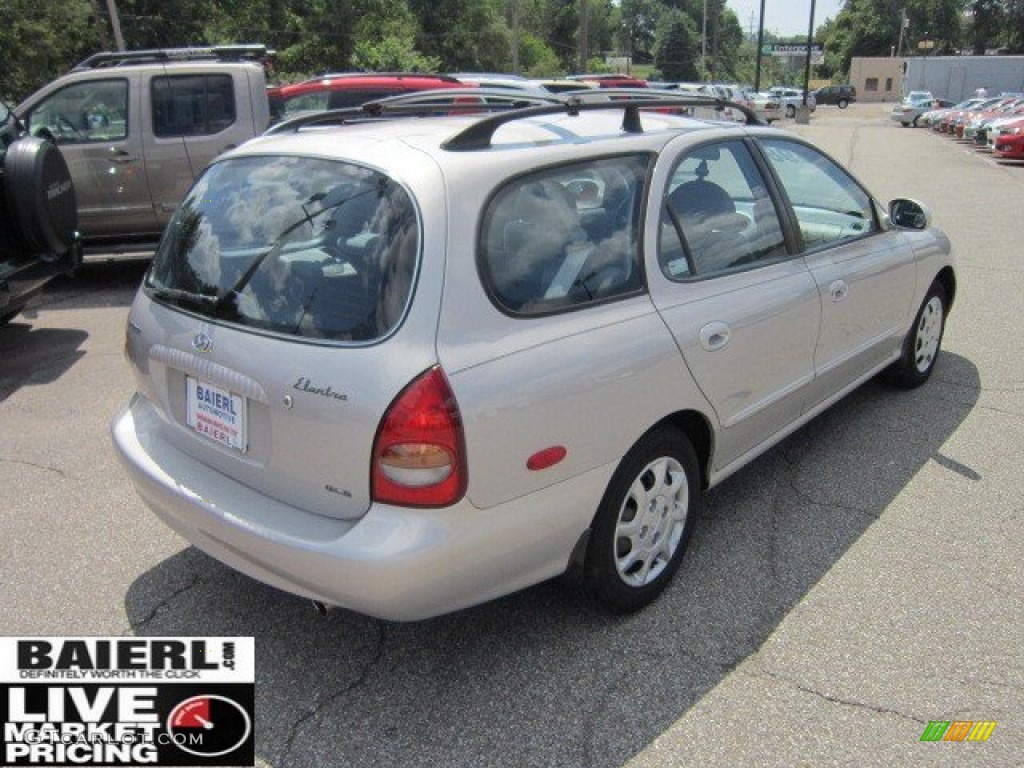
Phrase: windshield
[302,246]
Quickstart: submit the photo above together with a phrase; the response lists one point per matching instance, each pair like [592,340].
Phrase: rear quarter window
[565,237]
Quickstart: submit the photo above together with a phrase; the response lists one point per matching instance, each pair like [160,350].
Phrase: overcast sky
[784,17]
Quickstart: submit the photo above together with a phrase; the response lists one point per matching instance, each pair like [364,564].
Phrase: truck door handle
[714,336]
[116,155]
[839,290]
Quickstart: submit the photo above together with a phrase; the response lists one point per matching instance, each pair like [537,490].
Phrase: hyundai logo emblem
[202,343]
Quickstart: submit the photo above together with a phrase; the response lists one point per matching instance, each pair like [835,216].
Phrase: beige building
[877,78]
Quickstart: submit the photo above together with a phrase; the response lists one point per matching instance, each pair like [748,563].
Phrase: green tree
[986,22]
[639,28]
[675,54]
[536,58]
[41,41]
[463,35]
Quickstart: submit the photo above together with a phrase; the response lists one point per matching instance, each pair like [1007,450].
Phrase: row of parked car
[347,89]
[995,123]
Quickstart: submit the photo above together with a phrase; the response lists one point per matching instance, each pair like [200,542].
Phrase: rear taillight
[419,456]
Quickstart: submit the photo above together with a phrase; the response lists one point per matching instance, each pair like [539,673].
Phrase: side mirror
[909,214]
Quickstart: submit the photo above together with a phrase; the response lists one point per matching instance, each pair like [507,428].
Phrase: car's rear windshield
[301,246]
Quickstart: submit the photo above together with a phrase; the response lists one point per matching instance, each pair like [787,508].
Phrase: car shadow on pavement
[535,678]
[32,356]
[93,284]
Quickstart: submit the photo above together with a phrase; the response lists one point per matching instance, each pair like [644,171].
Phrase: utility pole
[115,22]
[704,44]
[584,29]
[515,36]
[904,23]
[804,112]
[757,53]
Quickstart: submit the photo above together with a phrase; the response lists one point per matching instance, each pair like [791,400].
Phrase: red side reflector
[546,458]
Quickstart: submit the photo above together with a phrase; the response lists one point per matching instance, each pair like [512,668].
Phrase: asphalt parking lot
[858,581]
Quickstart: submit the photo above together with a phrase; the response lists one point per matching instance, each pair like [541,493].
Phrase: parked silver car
[407,366]
[792,99]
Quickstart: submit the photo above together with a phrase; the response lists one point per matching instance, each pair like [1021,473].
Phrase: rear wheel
[842,103]
[921,347]
[643,524]
[790,111]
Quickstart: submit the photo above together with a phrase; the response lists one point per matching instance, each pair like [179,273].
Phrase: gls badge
[202,343]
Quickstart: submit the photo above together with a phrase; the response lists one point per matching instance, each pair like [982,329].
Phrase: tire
[790,111]
[40,196]
[649,507]
[922,344]
[915,122]
[842,103]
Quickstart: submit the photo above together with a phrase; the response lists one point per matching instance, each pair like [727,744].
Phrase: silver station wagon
[407,365]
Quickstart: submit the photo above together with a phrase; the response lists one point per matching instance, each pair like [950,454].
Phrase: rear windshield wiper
[180,296]
[221,303]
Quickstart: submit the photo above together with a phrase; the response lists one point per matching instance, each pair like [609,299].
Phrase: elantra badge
[202,343]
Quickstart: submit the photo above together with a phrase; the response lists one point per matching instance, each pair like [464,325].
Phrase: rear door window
[192,105]
[300,246]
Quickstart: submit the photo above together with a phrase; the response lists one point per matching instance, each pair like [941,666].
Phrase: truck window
[192,105]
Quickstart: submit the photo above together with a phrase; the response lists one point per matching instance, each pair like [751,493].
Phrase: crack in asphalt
[762,672]
[613,689]
[44,467]
[152,614]
[314,710]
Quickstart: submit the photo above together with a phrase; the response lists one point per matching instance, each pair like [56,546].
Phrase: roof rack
[506,106]
[341,75]
[479,134]
[249,52]
[440,101]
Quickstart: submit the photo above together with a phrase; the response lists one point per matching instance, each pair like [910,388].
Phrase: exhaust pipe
[320,607]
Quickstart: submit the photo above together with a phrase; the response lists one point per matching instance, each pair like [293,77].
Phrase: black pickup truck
[38,217]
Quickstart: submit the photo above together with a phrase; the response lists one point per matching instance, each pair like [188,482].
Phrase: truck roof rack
[249,52]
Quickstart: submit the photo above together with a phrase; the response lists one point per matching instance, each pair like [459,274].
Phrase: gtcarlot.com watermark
[127,701]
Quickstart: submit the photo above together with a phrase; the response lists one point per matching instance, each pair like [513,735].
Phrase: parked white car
[405,366]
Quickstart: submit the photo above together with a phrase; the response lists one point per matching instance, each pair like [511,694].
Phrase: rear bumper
[22,278]
[393,563]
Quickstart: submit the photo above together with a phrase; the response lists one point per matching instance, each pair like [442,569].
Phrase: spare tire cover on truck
[40,195]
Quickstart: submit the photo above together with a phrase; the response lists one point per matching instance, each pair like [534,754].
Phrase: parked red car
[350,89]
[949,120]
[1010,144]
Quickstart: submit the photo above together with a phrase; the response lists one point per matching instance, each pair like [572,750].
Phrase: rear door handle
[714,336]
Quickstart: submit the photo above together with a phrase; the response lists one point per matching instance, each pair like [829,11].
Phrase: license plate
[216,413]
